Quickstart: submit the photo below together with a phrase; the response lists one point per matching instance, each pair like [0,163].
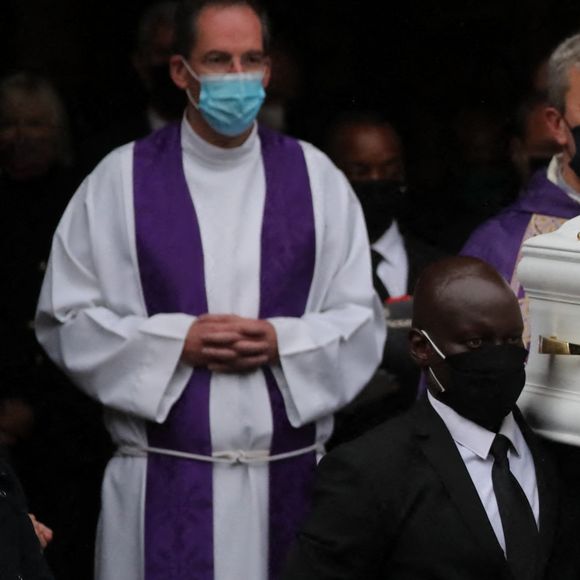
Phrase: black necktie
[517,517]
[376,259]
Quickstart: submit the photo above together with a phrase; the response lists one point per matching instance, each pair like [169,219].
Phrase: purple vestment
[498,240]
[178,507]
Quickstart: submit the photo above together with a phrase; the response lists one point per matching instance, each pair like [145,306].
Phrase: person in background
[210,284]
[366,147]
[533,145]
[369,151]
[22,537]
[154,47]
[52,434]
[552,195]
[458,488]
[163,102]
[35,185]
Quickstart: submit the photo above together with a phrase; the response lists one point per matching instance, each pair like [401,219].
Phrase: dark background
[432,67]
[415,60]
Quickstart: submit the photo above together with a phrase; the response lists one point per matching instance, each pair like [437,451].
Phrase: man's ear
[178,72]
[557,125]
[420,348]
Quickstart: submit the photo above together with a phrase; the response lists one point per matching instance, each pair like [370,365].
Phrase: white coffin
[550,273]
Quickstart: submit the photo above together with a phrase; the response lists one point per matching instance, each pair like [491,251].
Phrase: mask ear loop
[438,351]
[192,73]
[432,373]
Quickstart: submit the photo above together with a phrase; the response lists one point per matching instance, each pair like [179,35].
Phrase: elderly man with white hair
[552,196]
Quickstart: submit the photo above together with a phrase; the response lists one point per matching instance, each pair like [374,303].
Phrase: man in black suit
[366,147]
[424,496]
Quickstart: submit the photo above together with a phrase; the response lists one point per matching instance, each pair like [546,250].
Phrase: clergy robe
[541,208]
[93,321]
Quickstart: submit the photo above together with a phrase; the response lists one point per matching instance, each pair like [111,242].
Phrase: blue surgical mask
[229,102]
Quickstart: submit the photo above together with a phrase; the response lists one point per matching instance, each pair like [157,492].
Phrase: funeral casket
[550,273]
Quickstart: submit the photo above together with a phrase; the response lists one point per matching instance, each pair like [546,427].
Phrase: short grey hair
[566,56]
[188,14]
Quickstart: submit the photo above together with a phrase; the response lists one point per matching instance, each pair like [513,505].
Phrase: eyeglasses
[223,62]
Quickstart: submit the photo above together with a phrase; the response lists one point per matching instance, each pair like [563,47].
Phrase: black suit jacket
[393,388]
[420,254]
[398,503]
[20,553]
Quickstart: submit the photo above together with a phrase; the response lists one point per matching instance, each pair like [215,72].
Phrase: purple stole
[178,519]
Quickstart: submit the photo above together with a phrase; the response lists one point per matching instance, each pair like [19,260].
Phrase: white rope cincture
[236,457]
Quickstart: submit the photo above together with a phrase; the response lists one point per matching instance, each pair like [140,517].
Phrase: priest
[211,286]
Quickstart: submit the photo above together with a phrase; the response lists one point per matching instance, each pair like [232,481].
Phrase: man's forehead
[228,29]
[470,301]
[364,130]
[369,138]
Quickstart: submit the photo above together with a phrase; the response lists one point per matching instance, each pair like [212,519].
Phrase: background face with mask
[370,154]
[368,151]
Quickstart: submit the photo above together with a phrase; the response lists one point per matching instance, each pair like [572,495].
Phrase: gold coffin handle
[553,345]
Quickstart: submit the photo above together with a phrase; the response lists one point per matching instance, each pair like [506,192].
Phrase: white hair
[565,57]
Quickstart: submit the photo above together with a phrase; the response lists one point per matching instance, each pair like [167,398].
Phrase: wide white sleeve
[91,317]
[330,353]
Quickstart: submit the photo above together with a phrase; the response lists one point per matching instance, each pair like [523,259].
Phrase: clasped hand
[226,343]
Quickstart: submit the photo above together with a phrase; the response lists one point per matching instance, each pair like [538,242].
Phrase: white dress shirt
[474,443]
[393,271]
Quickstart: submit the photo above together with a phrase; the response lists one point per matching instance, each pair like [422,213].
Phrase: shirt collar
[556,176]
[473,436]
[156,121]
[212,155]
[389,242]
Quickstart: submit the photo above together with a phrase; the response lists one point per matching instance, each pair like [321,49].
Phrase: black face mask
[575,161]
[381,202]
[165,97]
[484,384]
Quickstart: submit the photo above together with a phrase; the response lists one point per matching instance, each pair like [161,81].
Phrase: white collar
[155,120]
[212,155]
[390,242]
[556,176]
[473,436]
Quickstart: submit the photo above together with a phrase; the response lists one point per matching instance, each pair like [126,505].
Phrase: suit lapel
[380,288]
[443,455]
[413,266]
[546,479]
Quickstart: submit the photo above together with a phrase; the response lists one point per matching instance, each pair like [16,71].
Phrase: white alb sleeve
[91,317]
